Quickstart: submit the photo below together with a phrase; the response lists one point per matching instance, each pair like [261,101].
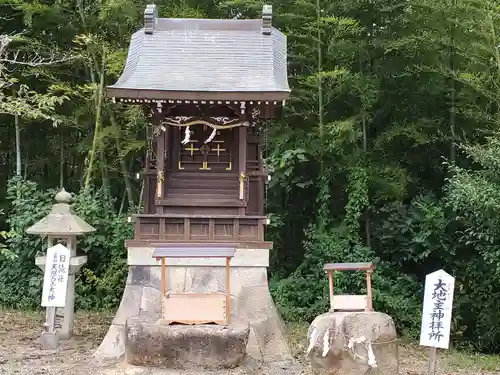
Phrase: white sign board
[436,312]
[55,279]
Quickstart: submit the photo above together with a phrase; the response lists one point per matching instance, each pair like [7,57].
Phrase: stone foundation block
[148,342]
[351,343]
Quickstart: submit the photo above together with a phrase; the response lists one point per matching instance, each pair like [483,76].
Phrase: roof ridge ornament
[150,17]
[267,19]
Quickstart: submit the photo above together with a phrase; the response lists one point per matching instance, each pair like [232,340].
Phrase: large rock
[353,343]
[148,342]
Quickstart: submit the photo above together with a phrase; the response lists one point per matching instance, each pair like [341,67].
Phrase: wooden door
[196,155]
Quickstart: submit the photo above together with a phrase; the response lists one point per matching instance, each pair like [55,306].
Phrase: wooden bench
[350,302]
[195,308]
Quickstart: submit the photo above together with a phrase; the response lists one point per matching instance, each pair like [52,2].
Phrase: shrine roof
[205,59]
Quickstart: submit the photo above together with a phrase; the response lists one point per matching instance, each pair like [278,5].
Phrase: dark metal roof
[210,59]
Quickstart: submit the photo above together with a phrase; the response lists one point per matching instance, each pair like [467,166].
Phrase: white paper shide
[437,309]
[55,281]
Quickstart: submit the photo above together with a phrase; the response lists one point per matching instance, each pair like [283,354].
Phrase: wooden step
[196,202]
[197,175]
[173,184]
[201,197]
[201,190]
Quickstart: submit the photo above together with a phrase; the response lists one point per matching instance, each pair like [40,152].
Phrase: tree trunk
[123,164]
[61,160]
[320,86]
[452,91]
[97,124]
[18,146]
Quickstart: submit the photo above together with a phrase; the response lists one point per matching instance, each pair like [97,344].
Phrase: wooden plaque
[194,308]
[349,303]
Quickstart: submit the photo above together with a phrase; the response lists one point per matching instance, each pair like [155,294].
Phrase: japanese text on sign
[56,276]
[436,313]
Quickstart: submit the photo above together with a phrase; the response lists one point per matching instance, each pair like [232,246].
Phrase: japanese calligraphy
[56,276]
[436,313]
[439,298]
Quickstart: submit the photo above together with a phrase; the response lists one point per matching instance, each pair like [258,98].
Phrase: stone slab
[49,340]
[130,304]
[148,342]
[250,301]
[113,345]
[143,256]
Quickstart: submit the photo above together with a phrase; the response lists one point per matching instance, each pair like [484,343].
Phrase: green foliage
[4,250]
[473,196]
[101,283]
[382,93]
[304,294]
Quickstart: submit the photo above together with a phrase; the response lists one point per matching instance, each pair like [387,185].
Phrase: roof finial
[63,197]
[150,19]
[267,19]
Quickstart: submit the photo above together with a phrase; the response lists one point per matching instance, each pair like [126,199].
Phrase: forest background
[388,151]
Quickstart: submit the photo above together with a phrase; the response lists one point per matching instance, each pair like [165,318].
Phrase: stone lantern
[63,225]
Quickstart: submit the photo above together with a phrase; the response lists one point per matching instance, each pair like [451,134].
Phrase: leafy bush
[304,294]
[100,283]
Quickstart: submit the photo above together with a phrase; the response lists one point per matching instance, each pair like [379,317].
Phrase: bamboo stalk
[123,164]
[97,124]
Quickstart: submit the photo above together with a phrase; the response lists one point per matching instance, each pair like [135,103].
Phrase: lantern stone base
[150,342]
[251,301]
[49,340]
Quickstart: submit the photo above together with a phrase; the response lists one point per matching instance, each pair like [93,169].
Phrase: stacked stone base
[251,301]
[353,343]
[149,342]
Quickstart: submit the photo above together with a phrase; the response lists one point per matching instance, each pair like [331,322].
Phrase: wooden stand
[350,302]
[195,308]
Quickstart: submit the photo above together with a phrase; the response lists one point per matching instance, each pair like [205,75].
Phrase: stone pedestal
[351,343]
[251,301]
[149,342]
[49,340]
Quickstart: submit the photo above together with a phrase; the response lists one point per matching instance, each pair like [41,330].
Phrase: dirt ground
[20,352]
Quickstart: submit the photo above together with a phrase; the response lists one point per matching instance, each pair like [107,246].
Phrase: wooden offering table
[350,302]
[192,307]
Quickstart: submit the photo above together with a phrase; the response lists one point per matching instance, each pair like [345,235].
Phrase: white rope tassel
[362,340]
[312,340]
[353,341]
[187,136]
[211,137]
[371,356]
[326,343]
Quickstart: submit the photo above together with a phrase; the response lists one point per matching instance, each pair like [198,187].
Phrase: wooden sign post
[55,286]
[436,314]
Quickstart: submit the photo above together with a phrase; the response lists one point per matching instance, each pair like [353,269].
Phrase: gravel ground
[20,353]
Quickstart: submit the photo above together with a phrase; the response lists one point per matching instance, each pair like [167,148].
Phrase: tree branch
[33,60]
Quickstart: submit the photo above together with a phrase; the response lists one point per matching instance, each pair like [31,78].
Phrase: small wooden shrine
[196,307]
[207,87]
[350,302]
